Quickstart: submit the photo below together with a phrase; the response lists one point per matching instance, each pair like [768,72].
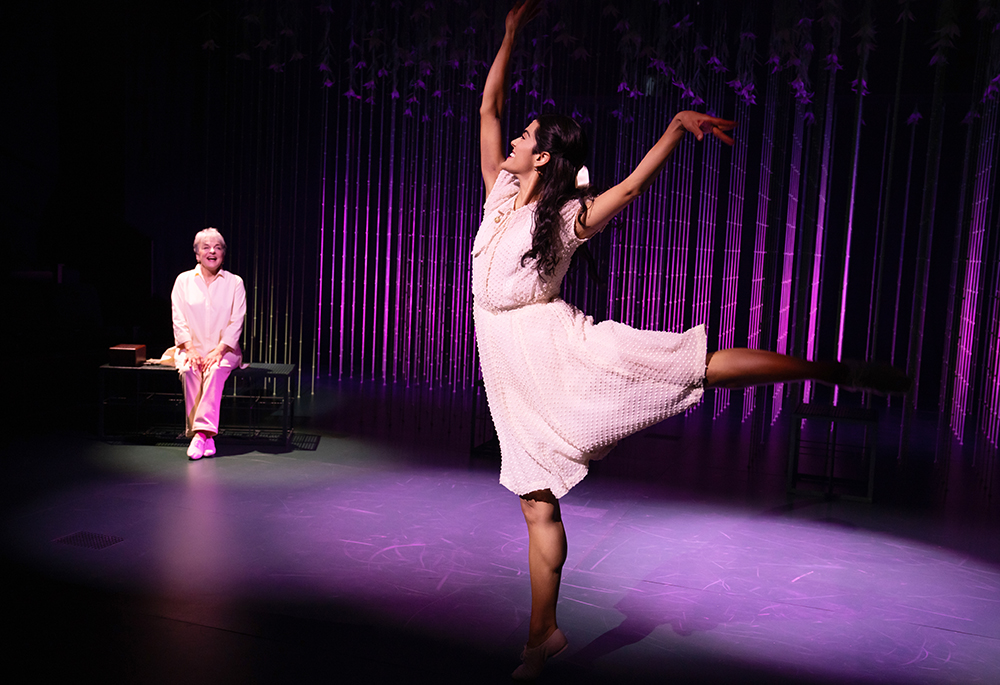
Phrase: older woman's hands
[214,357]
[194,359]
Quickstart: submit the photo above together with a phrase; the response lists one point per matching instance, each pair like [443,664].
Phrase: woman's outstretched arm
[609,203]
[491,146]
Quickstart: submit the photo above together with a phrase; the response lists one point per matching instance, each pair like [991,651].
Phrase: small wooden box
[127,355]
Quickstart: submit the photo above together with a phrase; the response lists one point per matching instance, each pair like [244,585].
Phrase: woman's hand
[492,149]
[700,123]
[520,14]
[215,356]
[194,359]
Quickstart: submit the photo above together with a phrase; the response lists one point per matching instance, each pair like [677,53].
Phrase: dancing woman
[561,389]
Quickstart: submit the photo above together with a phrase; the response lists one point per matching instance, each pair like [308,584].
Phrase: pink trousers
[203,395]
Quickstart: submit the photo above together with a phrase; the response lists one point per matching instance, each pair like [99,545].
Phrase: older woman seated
[208,304]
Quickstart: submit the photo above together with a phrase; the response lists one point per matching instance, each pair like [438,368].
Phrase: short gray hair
[205,233]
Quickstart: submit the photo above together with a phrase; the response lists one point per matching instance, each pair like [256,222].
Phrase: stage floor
[387,554]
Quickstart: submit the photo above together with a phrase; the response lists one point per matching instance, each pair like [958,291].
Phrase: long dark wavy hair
[566,144]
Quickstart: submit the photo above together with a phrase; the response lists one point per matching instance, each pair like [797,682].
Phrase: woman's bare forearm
[609,203]
[654,160]
[495,90]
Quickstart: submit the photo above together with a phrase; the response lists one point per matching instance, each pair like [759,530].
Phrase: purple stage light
[704,249]
[321,246]
[969,319]
[979,324]
[788,254]
[679,231]
[757,279]
[734,233]
[819,243]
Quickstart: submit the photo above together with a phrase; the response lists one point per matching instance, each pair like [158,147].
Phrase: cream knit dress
[563,390]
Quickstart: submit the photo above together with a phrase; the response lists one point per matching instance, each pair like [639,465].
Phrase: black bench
[152,395]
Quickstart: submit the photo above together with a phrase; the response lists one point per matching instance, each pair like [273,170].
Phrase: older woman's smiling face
[210,254]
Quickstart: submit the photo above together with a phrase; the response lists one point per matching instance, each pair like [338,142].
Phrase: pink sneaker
[197,447]
[534,658]
[210,447]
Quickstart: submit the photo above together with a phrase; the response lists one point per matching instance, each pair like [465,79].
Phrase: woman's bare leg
[546,556]
[739,368]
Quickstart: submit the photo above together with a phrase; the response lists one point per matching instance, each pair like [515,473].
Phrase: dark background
[109,156]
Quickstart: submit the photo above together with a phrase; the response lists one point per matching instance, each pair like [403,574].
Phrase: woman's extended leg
[739,368]
[546,556]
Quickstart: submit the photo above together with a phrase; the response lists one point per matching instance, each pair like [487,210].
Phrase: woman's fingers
[718,132]
[717,127]
[522,12]
[528,8]
[723,124]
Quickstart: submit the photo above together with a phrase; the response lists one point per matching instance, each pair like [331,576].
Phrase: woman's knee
[540,507]
[716,369]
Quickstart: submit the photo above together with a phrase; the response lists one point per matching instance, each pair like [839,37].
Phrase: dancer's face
[211,253]
[523,158]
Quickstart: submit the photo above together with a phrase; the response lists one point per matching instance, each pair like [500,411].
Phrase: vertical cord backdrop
[344,164]
[971,367]
[264,140]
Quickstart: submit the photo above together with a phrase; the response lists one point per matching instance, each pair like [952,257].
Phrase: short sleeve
[569,212]
[505,188]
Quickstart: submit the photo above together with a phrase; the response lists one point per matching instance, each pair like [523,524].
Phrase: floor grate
[89,540]
[304,441]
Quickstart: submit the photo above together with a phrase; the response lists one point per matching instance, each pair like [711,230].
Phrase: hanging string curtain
[345,167]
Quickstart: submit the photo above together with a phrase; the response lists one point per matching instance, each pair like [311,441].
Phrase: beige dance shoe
[534,658]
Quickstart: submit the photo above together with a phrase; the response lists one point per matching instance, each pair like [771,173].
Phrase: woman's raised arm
[609,203]
[491,145]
